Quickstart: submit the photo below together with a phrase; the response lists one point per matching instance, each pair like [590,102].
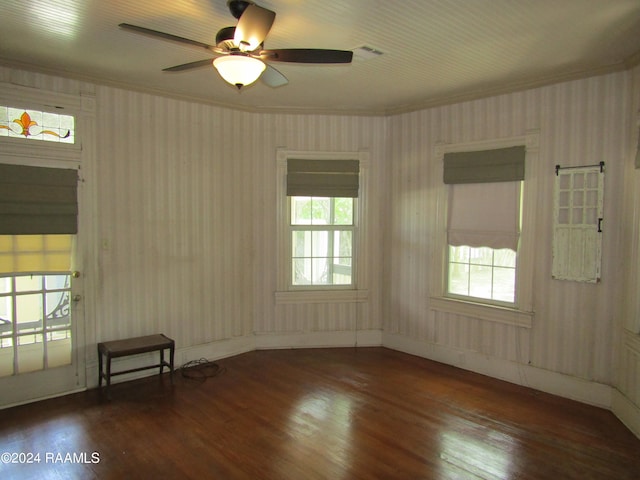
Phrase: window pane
[301,210]
[504,257]
[320,271]
[342,243]
[56,282]
[6,316]
[343,211]
[29,310]
[6,357]
[301,243]
[30,354]
[480,281]
[301,273]
[57,305]
[342,271]
[320,244]
[504,284]
[5,285]
[481,256]
[459,254]
[321,211]
[28,283]
[59,349]
[458,279]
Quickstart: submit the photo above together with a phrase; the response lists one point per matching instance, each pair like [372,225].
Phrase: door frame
[28,387]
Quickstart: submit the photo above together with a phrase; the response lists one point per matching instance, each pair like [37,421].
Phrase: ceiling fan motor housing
[237,7]
[225,34]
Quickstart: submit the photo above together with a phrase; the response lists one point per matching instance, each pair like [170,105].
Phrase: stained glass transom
[36,125]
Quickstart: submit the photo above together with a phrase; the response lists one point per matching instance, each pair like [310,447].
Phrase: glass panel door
[35,322]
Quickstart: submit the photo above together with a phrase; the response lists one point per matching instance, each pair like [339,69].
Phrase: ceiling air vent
[366,53]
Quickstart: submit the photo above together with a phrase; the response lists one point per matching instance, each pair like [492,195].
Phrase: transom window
[322,231]
[36,125]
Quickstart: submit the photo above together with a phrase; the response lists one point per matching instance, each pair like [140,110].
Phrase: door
[40,317]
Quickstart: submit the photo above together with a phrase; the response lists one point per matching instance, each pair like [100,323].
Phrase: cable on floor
[200,369]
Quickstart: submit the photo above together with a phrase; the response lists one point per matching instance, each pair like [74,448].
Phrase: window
[36,125]
[322,250]
[35,293]
[322,231]
[483,232]
[35,322]
[322,195]
[484,244]
[38,226]
[484,273]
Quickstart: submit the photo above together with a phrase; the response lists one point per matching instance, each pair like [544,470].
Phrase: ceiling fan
[240,56]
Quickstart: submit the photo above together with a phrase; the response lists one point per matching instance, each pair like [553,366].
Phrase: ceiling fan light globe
[239,70]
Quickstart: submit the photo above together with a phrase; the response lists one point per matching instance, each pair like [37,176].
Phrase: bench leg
[99,369]
[171,355]
[108,377]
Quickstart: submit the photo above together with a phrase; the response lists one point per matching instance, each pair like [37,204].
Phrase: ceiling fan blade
[189,66]
[167,36]
[307,55]
[253,27]
[273,78]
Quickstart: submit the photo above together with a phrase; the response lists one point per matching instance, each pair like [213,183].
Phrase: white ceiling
[435,51]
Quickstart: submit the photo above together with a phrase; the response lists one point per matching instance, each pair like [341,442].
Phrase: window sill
[322,296]
[491,313]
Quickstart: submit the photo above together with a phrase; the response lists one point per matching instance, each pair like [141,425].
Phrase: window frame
[492,266]
[331,229]
[45,330]
[43,153]
[521,312]
[357,291]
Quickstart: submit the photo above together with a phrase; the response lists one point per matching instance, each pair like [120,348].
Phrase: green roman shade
[485,166]
[322,178]
[38,200]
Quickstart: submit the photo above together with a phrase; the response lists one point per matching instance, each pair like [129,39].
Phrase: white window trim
[632,316]
[358,292]
[521,314]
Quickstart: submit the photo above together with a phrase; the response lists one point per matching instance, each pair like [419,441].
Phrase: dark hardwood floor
[368,413]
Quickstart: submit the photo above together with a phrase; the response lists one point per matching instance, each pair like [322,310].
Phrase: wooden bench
[133,346]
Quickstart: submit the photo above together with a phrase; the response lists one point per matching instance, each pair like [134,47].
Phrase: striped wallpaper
[183,223]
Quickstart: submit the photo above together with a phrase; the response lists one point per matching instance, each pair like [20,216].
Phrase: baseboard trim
[566,386]
[41,398]
[361,338]
[626,411]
